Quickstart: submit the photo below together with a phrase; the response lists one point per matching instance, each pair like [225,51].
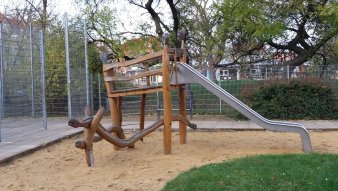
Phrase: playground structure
[175,74]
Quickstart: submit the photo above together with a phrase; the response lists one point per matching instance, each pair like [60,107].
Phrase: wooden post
[142,112]
[182,100]
[143,101]
[183,112]
[115,116]
[119,109]
[166,102]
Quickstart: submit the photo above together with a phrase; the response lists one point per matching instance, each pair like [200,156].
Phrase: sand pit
[61,167]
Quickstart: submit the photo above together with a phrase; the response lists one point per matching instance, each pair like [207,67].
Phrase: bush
[292,99]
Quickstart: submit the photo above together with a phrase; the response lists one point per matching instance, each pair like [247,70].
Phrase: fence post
[220,100]
[91,90]
[1,73]
[99,81]
[65,20]
[88,109]
[32,67]
[43,81]
[1,77]
[287,71]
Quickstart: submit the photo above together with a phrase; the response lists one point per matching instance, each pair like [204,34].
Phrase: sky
[128,14]
[61,6]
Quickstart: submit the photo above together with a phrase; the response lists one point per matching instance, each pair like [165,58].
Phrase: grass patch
[298,172]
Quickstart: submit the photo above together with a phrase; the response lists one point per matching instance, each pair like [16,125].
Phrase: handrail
[140,75]
[145,58]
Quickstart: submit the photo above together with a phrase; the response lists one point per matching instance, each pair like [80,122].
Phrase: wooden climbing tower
[168,57]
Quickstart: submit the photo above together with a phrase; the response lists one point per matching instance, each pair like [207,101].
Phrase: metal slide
[187,74]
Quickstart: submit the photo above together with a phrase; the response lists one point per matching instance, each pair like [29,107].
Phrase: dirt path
[60,166]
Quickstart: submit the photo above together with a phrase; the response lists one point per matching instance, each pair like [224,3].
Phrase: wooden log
[105,134]
[80,143]
[89,136]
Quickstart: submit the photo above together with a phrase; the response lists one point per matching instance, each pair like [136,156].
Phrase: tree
[41,9]
[31,11]
[160,25]
[101,25]
[56,90]
[301,28]
[198,18]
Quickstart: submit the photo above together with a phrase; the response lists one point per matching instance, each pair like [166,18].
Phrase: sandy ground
[61,166]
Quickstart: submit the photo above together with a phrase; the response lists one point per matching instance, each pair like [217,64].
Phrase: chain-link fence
[42,75]
[202,102]
[48,76]
[20,73]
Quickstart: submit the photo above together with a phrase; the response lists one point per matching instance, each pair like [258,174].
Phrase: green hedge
[292,99]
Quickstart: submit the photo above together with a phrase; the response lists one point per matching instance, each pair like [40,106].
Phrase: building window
[224,74]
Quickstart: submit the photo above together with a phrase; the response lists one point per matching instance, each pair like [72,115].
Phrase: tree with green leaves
[198,18]
[300,28]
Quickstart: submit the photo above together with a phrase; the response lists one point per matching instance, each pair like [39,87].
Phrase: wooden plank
[145,58]
[141,75]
